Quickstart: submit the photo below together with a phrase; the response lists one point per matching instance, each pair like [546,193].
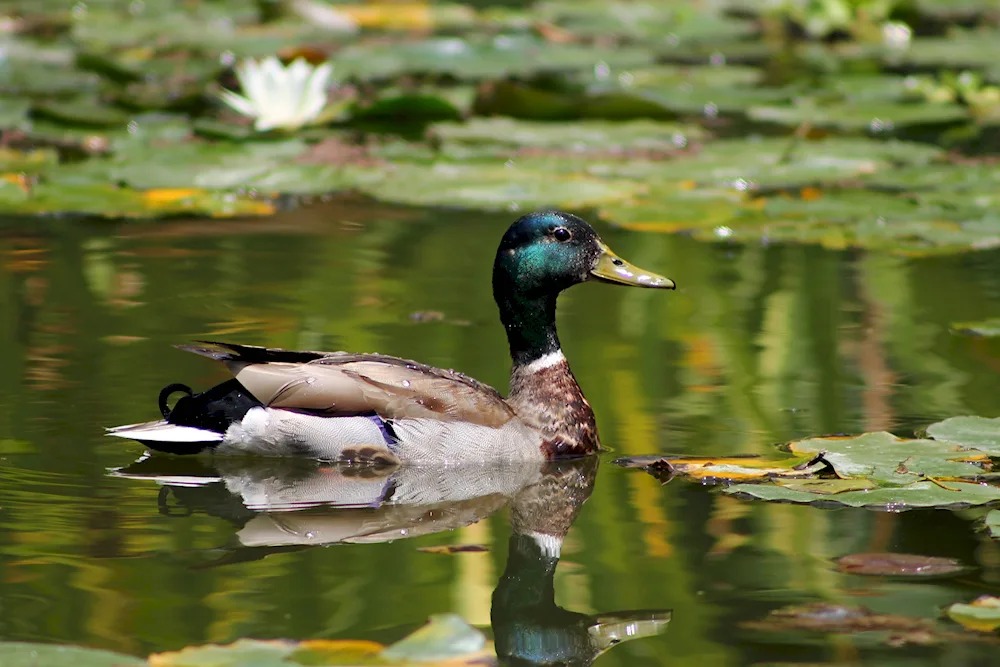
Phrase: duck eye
[561,234]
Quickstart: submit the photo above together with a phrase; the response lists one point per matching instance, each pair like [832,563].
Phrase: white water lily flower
[278,96]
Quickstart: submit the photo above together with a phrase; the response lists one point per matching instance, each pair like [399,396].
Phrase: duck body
[378,409]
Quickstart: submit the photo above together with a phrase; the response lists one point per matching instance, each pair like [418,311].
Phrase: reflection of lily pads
[982,615]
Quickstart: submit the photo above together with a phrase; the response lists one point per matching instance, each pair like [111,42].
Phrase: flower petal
[238,103]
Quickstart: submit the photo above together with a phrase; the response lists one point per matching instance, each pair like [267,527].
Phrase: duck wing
[341,383]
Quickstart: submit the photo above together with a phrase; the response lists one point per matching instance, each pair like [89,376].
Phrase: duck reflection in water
[298,504]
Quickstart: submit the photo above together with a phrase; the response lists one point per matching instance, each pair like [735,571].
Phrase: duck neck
[543,391]
[530,325]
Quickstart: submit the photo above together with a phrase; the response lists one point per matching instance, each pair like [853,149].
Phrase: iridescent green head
[542,254]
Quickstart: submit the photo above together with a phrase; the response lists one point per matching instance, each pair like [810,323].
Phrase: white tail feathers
[164,431]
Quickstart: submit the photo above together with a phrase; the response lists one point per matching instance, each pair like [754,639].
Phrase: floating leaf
[900,565]
[986,328]
[992,523]
[977,433]
[444,637]
[23,654]
[883,457]
[982,615]
[894,499]
[497,57]
[722,469]
[849,116]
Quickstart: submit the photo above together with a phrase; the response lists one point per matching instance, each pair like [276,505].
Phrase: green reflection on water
[759,345]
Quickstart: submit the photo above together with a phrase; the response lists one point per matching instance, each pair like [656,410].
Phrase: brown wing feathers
[340,383]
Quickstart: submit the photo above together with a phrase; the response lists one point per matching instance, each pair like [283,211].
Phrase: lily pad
[986,328]
[982,615]
[894,499]
[900,565]
[482,58]
[627,139]
[978,433]
[876,118]
[885,458]
[23,654]
[992,523]
[493,187]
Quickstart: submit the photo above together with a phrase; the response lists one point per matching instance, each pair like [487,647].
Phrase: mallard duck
[379,409]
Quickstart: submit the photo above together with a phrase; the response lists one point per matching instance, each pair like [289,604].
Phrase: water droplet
[503,42]
[513,206]
[626,78]
[601,71]
[880,221]
[509,164]
[79,10]
[406,383]
[252,192]
[132,127]
[711,110]
[723,232]
[673,39]
[404,532]
[717,59]
[136,7]
[742,185]
[454,46]
[310,535]
[310,380]
[227,58]
[679,140]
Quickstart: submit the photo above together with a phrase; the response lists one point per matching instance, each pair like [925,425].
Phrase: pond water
[759,345]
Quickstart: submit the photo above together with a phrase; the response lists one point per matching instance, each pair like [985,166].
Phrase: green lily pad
[645,21]
[495,135]
[959,50]
[986,328]
[444,637]
[471,59]
[896,499]
[23,654]
[13,113]
[982,615]
[872,117]
[487,186]
[888,459]
[977,433]
[992,523]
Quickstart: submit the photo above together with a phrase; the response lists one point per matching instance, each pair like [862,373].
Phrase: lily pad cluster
[950,468]
[662,117]
[445,640]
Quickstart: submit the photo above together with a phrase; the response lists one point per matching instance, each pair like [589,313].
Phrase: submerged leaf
[454,549]
[900,565]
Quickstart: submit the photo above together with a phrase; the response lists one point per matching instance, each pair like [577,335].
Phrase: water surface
[759,345]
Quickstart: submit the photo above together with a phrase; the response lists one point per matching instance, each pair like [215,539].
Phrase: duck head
[542,254]
[548,251]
